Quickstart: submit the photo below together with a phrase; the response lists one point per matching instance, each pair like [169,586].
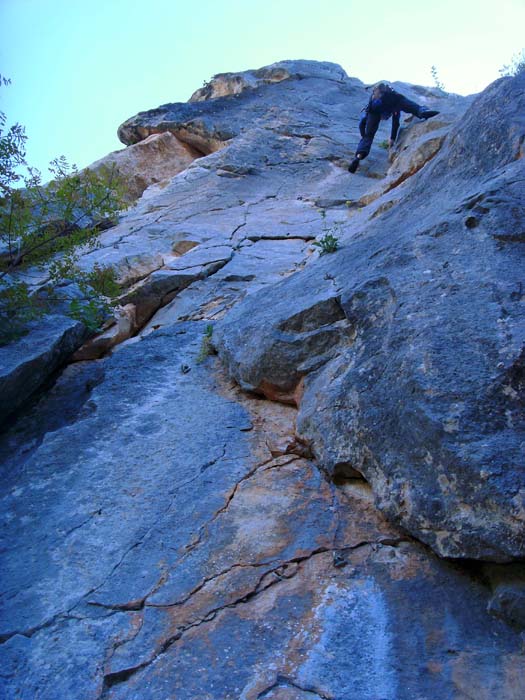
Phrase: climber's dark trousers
[370,124]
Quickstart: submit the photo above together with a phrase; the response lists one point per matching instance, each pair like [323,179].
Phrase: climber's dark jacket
[390,104]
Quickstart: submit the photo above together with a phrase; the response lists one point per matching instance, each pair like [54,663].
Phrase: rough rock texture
[167,535]
[170,538]
[155,160]
[424,392]
[27,363]
[224,84]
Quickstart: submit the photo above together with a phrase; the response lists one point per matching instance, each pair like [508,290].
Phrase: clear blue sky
[81,67]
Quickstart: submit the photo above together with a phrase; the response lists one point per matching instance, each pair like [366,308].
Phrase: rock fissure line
[154,526]
[204,528]
[208,263]
[263,465]
[285,682]
[214,461]
[86,521]
[58,618]
[132,606]
[118,677]
[208,580]
[246,206]
[305,237]
[238,228]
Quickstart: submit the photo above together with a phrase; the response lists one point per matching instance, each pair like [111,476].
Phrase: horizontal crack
[58,618]
[305,237]
[209,580]
[269,578]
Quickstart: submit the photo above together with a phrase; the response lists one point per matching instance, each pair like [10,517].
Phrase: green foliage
[516,66]
[435,78]
[385,145]
[103,280]
[207,348]
[17,309]
[12,150]
[327,244]
[51,224]
[41,220]
[90,311]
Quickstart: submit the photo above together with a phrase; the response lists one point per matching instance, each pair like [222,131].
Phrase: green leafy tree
[50,225]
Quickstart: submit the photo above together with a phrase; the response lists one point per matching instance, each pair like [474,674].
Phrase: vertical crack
[203,530]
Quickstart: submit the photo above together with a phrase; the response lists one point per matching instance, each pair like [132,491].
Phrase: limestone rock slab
[154,160]
[425,398]
[26,363]
[224,566]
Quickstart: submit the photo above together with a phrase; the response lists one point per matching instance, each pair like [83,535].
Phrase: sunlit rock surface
[152,161]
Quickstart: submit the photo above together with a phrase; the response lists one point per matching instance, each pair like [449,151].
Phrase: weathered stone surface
[167,534]
[155,160]
[222,567]
[26,363]
[224,84]
[123,326]
[427,399]
[236,103]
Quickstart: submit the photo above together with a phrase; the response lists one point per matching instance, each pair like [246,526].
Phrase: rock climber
[384,103]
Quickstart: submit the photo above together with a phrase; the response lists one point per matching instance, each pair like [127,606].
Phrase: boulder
[224,84]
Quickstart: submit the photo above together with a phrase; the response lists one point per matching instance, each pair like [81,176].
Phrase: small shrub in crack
[435,77]
[207,348]
[103,279]
[327,244]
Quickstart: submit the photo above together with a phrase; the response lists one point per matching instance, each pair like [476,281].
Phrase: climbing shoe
[353,165]
[427,113]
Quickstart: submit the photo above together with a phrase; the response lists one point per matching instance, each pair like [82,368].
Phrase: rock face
[174,537]
[166,534]
[421,386]
[27,363]
[155,160]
